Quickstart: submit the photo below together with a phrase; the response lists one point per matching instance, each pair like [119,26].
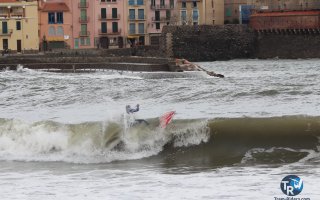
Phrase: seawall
[225,42]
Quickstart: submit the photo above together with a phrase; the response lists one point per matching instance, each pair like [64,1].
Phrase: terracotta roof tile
[55,7]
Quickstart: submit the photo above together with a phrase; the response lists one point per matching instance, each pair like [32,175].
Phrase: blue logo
[291,185]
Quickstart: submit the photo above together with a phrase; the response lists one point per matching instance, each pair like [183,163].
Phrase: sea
[68,136]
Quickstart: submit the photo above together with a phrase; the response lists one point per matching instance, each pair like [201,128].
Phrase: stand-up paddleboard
[166,118]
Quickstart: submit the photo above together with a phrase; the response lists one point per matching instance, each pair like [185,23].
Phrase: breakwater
[84,63]
[225,42]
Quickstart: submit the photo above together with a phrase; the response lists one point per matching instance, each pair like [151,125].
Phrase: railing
[109,17]
[136,17]
[159,7]
[83,4]
[137,32]
[109,32]
[161,19]
[6,32]
[84,19]
[17,14]
[84,33]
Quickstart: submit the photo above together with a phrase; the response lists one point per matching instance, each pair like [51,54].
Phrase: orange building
[55,24]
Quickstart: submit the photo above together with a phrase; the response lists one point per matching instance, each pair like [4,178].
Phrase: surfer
[133,110]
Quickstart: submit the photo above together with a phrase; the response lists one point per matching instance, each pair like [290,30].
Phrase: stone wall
[225,42]
[142,51]
[288,45]
[209,43]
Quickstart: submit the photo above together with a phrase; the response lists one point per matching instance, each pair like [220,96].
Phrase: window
[103,27]
[141,28]
[114,13]
[131,2]
[139,2]
[59,17]
[168,14]
[18,25]
[132,28]
[52,31]
[5,44]
[157,26]
[51,18]
[228,12]
[114,27]
[183,16]
[195,15]
[171,3]
[5,27]
[162,3]
[132,14]
[85,41]
[183,5]
[103,13]
[140,13]
[194,4]
[83,15]
[60,31]
[84,29]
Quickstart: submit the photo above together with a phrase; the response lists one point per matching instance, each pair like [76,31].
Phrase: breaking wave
[197,142]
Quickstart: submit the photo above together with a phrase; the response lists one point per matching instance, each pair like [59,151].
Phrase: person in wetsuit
[133,110]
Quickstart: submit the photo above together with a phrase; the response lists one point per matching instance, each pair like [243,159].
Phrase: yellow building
[189,12]
[136,20]
[19,26]
[214,12]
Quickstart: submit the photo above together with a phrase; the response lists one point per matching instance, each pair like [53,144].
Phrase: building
[19,26]
[278,5]
[189,12]
[214,12]
[159,14]
[109,24]
[277,21]
[55,24]
[136,22]
[232,11]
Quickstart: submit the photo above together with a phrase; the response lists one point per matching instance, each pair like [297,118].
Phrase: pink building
[83,17]
[159,14]
[109,23]
[55,24]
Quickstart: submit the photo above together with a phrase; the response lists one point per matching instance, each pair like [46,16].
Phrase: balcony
[109,32]
[83,5]
[17,14]
[161,19]
[84,33]
[7,32]
[161,7]
[136,17]
[84,19]
[137,32]
[109,17]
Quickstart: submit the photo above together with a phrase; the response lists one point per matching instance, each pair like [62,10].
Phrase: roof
[285,13]
[55,7]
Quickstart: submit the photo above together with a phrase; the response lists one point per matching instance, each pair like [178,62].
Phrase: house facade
[55,24]
[109,24]
[19,26]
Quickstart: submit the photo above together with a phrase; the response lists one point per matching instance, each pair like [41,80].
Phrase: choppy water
[65,136]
